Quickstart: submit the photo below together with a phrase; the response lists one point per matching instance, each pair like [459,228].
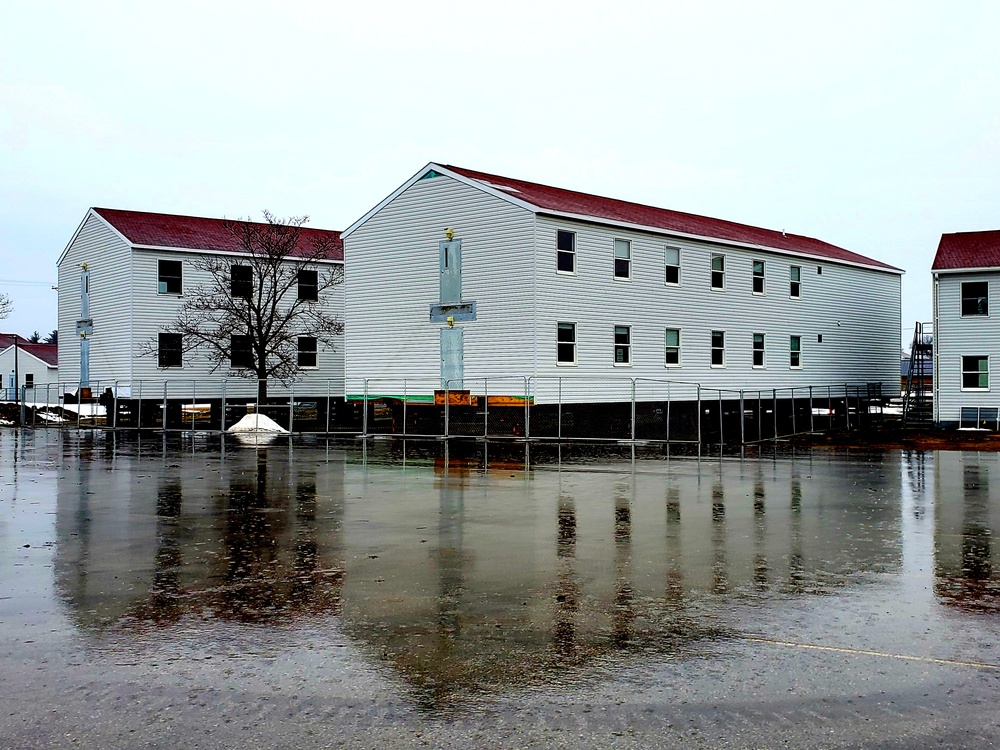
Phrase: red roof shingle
[547,198]
[48,353]
[968,250]
[197,233]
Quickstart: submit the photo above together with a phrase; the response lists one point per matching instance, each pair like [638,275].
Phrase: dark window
[794,281]
[976,372]
[672,347]
[758,277]
[623,259]
[565,251]
[241,352]
[623,345]
[795,351]
[975,298]
[29,380]
[672,264]
[718,348]
[718,272]
[241,281]
[169,277]
[308,285]
[819,338]
[758,350]
[307,351]
[168,350]
[566,343]
[819,270]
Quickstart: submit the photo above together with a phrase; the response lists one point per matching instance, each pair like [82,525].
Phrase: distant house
[36,368]
[122,281]
[966,275]
[543,282]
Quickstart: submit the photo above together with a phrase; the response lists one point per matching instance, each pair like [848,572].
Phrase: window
[758,350]
[169,350]
[819,270]
[672,348]
[241,352]
[975,373]
[758,277]
[623,345]
[975,298]
[623,259]
[672,262]
[29,380]
[718,272]
[308,285]
[795,350]
[718,348]
[307,351]
[169,277]
[795,281]
[819,338]
[241,281]
[565,251]
[566,343]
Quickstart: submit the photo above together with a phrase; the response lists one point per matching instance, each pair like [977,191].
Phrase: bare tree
[6,306]
[256,303]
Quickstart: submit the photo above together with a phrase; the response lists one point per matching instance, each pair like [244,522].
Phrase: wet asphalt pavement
[187,592]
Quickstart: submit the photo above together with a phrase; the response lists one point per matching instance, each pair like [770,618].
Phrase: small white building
[34,367]
[966,276]
[565,288]
[122,281]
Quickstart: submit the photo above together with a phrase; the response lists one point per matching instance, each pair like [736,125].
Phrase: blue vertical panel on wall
[451,270]
[452,355]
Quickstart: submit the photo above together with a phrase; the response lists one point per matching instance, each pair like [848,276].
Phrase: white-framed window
[169,277]
[975,373]
[169,350]
[718,348]
[308,284]
[718,271]
[623,259]
[758,277]
[623,345]
[565,251]
[565,343]
[308,351]
[672,265]
[975,298]
[672,347]
[241,282]
[758,350]
[241,352]
[795,350]
[795,282]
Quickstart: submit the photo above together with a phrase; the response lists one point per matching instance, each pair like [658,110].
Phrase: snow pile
[252,423]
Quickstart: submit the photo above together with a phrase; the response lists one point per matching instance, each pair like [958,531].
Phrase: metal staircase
[918,400]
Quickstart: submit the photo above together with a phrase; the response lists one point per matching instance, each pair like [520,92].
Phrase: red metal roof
[197,233]
[48,353]
[968,250]
[547,198]
[7,339]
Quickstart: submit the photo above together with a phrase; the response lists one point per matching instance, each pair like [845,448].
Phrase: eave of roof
[584,206]
[195,233]
[968,251]
[46,353]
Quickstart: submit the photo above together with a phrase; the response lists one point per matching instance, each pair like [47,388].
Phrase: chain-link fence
[557,408]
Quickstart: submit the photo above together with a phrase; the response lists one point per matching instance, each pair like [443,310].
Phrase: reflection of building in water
[240,538]
[967,563]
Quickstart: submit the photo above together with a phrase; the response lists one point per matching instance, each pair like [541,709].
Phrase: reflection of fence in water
[633,409]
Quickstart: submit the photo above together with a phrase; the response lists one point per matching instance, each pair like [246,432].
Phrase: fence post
[774,410]
[24,392]
[447,407]
[138,411]
[164,419]
[811,427]
[699,418]
[847,407]
[527,408]
[633,409]
[794,429]
[225,406]
[364,416]
[194,400]
[79,402]
[114,405]
[291,407]
[721,428]
[559,410]
[406,397]
[486,407]
[668,412]
[326,429]
[743,429]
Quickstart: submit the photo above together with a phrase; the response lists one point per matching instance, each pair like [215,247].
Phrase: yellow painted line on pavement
[863,652]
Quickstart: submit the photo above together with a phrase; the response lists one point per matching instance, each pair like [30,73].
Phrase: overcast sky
[872,125]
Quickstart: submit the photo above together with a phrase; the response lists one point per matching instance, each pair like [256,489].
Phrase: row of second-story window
[170,351]
[170,280]
[622,268]
[713,347]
